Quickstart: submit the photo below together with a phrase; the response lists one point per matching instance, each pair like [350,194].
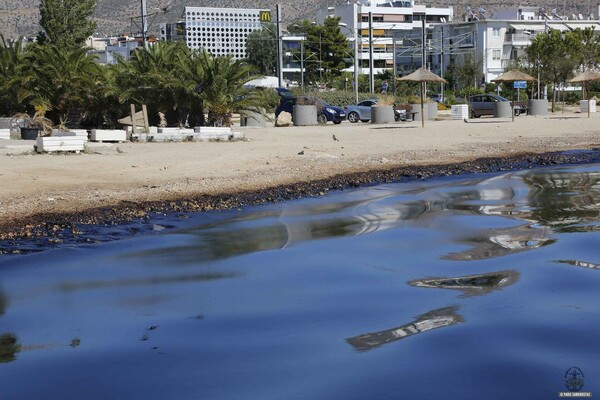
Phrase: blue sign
[520,85]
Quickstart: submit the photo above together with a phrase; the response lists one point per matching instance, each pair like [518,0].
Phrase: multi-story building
[221,31]
[392,24]
[498,41]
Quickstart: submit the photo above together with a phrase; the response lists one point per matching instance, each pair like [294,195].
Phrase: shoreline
[47,225]
[46,194]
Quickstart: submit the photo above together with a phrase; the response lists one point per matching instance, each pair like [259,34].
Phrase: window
[496,55]
[496,32]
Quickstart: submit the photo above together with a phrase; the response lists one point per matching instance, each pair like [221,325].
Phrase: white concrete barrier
[108,135]
[60,143]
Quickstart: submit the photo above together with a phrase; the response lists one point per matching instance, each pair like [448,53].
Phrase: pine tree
[67,23]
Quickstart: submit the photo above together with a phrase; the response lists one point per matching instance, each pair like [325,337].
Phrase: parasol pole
[422,113]
[586,96]
[512,109]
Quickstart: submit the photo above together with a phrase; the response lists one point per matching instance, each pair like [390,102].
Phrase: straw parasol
[513,76]
[588,75]
[422,75]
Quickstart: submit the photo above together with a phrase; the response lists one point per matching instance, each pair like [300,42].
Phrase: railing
[518,37]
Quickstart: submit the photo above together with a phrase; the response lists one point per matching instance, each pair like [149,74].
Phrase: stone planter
[502,109]
[416,107]
[304,115]
[537,107]
[382,114]
[432,110]
[253,118]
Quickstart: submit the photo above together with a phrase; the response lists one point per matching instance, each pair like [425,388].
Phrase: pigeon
[336,139]
[301,153]
[466,122]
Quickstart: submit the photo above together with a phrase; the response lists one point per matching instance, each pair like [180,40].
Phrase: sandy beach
[37,185]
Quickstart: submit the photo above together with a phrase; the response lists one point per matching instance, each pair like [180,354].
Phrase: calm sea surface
[475,287]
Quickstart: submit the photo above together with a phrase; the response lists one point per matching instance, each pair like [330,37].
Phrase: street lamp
[355,32]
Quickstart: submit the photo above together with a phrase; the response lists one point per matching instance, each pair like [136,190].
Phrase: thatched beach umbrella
[511,77]
[422,75]
[586,76]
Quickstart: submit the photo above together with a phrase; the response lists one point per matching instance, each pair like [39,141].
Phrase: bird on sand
[336,139]
[301,153]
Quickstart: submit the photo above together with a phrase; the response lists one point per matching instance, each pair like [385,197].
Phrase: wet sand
[42,192]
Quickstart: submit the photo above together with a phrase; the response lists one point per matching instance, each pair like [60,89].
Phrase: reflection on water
[258,303]
[426,322]
[3,302]
[9,347]
[561,200]
[582,264]
[478,284]
[540,204]
[156,280]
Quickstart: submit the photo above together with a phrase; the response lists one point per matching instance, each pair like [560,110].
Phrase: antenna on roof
[482,13]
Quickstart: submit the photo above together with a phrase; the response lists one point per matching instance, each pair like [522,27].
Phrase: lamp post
[355,33]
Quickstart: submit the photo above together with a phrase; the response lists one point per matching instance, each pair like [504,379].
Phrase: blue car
[325,112]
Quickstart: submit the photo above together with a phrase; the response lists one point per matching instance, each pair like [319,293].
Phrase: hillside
[118,16]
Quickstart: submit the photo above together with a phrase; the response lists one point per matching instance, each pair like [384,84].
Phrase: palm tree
[60,79]
[12,95]
[222,90]
[159,77]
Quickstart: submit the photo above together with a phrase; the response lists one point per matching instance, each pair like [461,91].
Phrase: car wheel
[353,117]
[337,122]
[321,119]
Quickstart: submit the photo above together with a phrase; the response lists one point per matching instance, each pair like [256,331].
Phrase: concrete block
[108,135]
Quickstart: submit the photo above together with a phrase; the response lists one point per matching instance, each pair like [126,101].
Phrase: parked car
[438,98]
[483,104]
[283,92]
[325,112]
[362,111]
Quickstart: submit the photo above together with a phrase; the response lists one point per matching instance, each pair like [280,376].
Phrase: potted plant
[383,112]
[32,126]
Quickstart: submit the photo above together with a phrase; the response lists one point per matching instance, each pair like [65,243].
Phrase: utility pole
[443,99]
[279,46]
[394,63]
[423,64]
[356,27]
[144,24]
[371,74]
[302,64]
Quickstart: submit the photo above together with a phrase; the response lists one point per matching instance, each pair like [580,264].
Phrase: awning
[596,27]
[521,27]
[559,27]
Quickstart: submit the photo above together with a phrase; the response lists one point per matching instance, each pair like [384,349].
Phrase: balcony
[519,38]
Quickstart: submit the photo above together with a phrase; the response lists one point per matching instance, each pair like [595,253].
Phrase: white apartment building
[499,41]
[221,31]
[393,23]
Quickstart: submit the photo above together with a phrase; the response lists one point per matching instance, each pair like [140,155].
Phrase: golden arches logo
[265,16]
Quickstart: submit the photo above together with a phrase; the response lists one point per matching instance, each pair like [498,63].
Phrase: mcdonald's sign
[265,16]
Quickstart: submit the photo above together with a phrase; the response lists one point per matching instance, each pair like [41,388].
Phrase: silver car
[484,104]
[360,111]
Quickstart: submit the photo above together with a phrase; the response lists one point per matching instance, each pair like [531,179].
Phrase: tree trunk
[553,95]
